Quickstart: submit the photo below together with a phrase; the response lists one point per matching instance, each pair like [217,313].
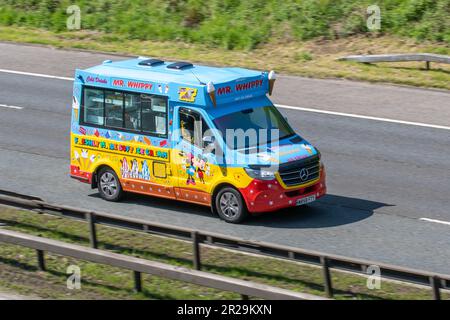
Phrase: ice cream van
[203,135]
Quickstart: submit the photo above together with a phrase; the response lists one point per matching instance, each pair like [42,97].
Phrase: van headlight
[260,173]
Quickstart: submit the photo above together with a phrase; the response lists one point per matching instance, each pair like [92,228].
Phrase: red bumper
[265,196]
[83,176]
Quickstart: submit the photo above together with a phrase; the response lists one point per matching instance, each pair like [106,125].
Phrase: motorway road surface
[383,177]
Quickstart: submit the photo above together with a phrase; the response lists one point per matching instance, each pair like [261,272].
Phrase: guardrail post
[137,281]
[41,259]
[435,287]
[196,250]
[327,276]
[90,218]
[428,63]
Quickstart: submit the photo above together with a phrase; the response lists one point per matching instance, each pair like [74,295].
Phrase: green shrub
[235,24]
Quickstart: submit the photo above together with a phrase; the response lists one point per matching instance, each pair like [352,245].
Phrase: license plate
[303,201]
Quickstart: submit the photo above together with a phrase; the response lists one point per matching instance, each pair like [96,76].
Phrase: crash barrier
[138,266]
[425,57]
[327,262]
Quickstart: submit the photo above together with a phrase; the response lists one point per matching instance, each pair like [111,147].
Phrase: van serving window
[127,111]
[93,107]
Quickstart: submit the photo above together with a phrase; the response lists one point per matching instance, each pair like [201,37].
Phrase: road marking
[35,75]
[10,107]
[341,114]
[435,221]
[351,115]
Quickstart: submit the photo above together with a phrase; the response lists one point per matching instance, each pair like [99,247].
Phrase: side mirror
[209,144]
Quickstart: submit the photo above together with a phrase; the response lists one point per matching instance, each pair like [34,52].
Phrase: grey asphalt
[382,177]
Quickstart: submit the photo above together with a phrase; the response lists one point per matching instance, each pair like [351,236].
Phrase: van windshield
[253,127]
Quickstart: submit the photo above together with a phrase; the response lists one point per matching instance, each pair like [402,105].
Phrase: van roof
[161,71]
[179,81]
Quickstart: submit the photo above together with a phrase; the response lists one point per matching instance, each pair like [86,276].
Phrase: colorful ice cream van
[198,134]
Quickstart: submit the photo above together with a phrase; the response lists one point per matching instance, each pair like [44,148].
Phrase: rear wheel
[230,205]
[109,185]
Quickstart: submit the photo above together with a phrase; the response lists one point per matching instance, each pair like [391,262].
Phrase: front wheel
[230,206]
[109,185]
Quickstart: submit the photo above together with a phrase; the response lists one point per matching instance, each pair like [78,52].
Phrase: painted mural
[134,169]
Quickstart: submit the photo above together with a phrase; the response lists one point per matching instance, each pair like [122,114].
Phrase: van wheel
[230,206]
[109,185]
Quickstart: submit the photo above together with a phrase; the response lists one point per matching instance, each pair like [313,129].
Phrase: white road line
[35,75]
[10,107]
[350,115]
[341,114]
[435,221]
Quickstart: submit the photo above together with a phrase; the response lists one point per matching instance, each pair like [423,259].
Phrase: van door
[194,162]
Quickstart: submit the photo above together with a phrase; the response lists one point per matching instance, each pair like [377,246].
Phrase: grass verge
[313,58]
[18,271]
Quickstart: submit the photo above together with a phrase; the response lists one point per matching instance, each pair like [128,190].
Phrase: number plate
[301,202]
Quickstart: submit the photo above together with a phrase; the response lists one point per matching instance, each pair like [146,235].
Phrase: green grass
[233,24]
[299,37]
[313,58]
[18,270]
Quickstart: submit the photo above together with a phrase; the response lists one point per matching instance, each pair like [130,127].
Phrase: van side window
[114,109]
[192,127]
[132,112]
[154,114]
[93,107]
[135,112]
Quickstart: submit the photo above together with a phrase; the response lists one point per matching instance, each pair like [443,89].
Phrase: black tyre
[109,185]
[230,206]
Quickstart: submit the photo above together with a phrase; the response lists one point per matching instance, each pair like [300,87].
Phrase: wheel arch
[94,183]
[217,189]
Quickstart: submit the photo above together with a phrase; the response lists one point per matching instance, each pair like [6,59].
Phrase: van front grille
[300,172]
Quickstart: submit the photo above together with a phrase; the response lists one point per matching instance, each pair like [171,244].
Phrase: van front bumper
[266,196]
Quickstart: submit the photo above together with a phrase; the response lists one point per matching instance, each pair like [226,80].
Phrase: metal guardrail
[425,57]
[435,281]
[138,266]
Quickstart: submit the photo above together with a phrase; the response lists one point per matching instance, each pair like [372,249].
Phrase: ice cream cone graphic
[212,92]
[213,98]
[84,159]
[77,157]
[91,161]
[272,79]
[75,106]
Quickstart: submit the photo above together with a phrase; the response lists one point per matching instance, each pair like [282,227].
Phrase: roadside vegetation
[299,37]
[233,24]
[18,271]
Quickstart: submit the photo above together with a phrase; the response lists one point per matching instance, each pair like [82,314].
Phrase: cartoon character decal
[190,169]
[195,167]
[187,94]
[201,169]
